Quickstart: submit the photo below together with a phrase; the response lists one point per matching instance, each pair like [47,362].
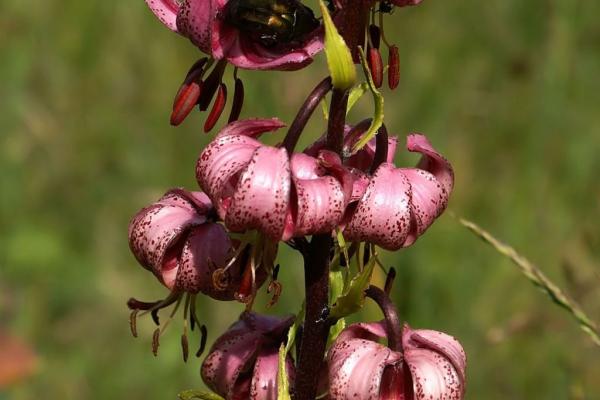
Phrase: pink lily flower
[261,187]
[399,204]
[255,38]
[431,366]
[175,239]
[243,362]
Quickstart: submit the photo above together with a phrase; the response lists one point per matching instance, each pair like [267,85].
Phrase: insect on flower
[272,21]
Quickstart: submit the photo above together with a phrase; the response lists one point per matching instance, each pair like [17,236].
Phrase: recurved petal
[205,250]
[165,11]
[230,356]
[320,199]
[262,196]
[221,162]
[364,330]
[445,345]
[356,368]
[432,161]
[157,228]
[194,21]
[264,377]
[429,199]
[383,213]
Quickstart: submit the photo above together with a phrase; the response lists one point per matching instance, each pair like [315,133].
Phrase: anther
[185,347]
[211,84]
[133,322]
[238,100]
[217,109]
[376,66]
[394,67]
[203,338]
[155,341]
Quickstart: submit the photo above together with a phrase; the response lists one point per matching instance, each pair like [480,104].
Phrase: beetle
[272,22]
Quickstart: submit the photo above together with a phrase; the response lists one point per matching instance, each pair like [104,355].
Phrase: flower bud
[431,365]
[243,362]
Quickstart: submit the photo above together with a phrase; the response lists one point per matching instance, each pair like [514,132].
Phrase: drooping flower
[399,204]
[176,240]
[280,35]
[430,366]
[255,186]
[243,362]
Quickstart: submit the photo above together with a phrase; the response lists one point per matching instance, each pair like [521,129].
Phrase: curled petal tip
[166,11]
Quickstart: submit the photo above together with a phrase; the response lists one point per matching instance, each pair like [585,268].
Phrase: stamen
[133,322]
[211,84]
[374,36]
[155,341]
[217,109]
[394,67]
[275,287]
[376,66]
[203,339]
[185,347]
[238,100]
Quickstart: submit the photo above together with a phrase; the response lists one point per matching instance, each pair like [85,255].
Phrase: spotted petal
[320,199]
[166,11]
[158,228]
[437,364]
[221,162]
[262,195]
[383,214]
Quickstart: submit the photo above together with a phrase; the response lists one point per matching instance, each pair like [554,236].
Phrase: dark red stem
[306,111]
[390,313]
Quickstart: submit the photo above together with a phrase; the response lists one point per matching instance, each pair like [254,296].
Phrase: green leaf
[356,93]
[199,394]
[291,337]
[283,386]
[353,298]
[377,99]
[339,58]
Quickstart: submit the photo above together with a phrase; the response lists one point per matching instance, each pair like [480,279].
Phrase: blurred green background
[508,90]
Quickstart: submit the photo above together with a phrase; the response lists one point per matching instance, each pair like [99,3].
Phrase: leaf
[378,100]
[283,386]
[199,394]
[339,59]
[356,93]
[294,329]
[353,297]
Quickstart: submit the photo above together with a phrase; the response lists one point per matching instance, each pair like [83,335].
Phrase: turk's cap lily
[261,187]
[176,241]
[399,204]
[431,366]
[243,362]
[219,29]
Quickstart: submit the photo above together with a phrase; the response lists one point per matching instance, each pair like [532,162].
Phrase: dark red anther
[211,84]
[238,101]
[376,66]
[375,35]
[217,108]
[394,67]
[246,285]
[186,99]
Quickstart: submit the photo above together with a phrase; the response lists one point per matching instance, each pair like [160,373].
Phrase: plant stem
[316,325]
[306,111]
[394,330]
